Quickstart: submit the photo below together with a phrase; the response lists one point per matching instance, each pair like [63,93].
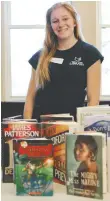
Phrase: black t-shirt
[68,78]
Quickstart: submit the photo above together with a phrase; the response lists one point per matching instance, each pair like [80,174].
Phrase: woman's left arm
[93,83]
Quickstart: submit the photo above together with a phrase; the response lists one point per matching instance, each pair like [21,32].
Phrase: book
[90,111]
[99,123]
[10,130]
[56,132]
[18,118]
[56,117]
[33,167]
[85,165]
[12,117]
[108,158]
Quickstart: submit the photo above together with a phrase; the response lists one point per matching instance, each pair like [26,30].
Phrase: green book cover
[84,166]
[12,129]
[33,167]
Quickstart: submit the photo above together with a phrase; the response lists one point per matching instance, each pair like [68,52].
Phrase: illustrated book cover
[10,130]
[33,167]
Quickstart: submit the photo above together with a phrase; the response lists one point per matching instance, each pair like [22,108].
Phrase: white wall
[88,15]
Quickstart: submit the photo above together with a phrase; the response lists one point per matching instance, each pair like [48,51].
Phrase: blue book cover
[98,123]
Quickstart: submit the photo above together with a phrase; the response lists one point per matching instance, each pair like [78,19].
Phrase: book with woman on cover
[85,165]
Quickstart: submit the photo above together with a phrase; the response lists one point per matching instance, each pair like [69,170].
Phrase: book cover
[56,132]
[33,164]
[84,155]
[98,123]
[82,112]
[10,130]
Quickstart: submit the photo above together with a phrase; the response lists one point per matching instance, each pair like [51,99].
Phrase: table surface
[8,194]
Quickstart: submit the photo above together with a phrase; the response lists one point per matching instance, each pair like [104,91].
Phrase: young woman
[64,69]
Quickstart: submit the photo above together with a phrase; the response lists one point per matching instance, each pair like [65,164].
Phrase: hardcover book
[33,167]
[98,123]
[82,112]
[56,117]
[56,132]
[108,158]
[86,167]
[10,130]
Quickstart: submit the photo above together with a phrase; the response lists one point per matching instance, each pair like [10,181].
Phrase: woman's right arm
[29,102]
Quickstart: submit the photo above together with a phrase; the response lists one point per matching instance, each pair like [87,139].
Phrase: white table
[8,194]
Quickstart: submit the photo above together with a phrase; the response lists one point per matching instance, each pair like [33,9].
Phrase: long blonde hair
[51,43]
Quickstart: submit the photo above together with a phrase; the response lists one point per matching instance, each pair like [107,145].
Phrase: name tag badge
[57,60]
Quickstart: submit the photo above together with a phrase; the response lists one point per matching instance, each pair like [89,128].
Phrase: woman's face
[82,152]
[62,23]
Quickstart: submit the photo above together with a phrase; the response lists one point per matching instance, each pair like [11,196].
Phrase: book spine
[104,164]
[108,161]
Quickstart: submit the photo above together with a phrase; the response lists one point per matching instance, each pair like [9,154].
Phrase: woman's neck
[67,43]
[91,165]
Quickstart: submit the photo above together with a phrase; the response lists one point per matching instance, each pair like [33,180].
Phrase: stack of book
[15,128]
[59,149]
[88,171]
